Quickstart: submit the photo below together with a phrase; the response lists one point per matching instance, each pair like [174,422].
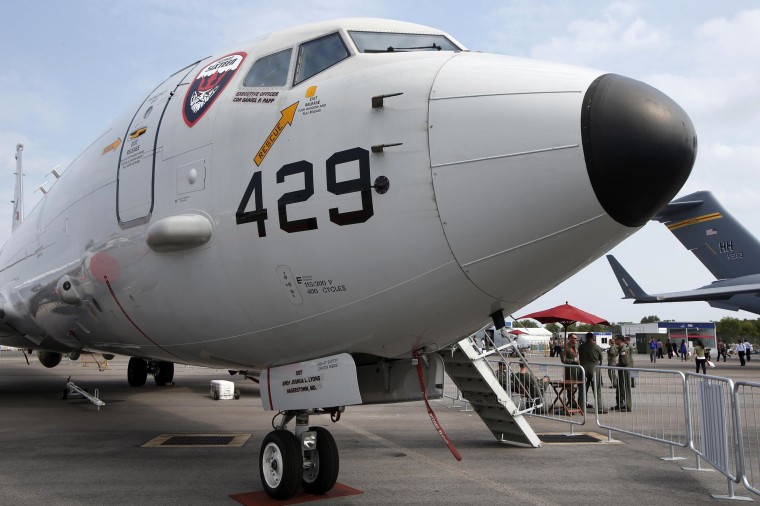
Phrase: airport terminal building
[675,331]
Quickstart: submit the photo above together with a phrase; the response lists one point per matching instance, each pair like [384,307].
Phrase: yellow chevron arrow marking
[112,147]
[286,119]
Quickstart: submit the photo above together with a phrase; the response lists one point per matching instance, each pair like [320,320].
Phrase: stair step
[474,377]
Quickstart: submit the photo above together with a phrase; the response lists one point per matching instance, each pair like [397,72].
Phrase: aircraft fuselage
[241,225]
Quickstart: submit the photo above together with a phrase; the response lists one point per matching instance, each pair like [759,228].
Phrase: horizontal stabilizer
[719,291]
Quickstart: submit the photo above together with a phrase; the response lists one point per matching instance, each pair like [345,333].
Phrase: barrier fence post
[746,397]
[717,434]
[698,466]
[672,455]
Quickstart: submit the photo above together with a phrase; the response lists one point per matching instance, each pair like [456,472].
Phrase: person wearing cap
[570,357]
[623,392]
[590,356]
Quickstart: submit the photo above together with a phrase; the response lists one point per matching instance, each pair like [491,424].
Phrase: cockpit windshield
[382,42]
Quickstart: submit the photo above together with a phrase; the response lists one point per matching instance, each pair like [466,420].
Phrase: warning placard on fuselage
[321,383]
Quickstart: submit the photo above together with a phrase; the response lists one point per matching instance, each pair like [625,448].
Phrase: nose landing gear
[308,458]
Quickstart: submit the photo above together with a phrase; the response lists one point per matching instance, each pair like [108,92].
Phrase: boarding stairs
[473,375]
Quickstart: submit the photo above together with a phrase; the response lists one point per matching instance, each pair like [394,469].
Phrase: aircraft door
[134,194]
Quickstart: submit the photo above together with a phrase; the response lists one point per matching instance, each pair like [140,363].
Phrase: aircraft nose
[639,147]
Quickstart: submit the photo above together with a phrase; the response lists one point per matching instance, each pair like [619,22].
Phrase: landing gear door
[134,195]
[322,383]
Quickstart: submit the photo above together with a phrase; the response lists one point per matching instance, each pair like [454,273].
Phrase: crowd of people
[620,354]
[589,355]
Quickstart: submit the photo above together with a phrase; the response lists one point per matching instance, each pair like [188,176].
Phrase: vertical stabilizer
[721,243]
[18,195]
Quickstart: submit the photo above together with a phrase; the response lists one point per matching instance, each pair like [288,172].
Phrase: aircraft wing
[725,291]
[705,294]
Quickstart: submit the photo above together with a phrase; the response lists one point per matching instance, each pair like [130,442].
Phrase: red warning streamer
[434,418]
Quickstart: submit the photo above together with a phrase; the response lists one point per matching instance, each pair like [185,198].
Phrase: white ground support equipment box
[221,389]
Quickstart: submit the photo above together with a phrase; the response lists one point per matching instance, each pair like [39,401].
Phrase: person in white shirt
[740,351]
[747,350]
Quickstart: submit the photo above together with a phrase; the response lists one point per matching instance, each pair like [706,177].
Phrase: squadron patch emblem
[209,84]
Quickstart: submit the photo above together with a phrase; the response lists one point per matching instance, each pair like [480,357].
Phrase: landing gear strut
[138,370]
[308,458]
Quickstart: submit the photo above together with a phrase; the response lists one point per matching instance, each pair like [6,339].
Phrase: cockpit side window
[270,70]
[383,42]
[317,55]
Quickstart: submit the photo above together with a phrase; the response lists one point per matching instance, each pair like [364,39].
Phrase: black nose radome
[639,147]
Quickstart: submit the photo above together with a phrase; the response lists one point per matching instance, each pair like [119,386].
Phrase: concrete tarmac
[67,452]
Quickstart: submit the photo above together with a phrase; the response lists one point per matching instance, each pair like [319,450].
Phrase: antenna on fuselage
[18,196]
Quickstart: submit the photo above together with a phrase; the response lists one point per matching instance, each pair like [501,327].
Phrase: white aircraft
[321,205]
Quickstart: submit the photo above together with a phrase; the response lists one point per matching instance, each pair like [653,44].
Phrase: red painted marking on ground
[262,499]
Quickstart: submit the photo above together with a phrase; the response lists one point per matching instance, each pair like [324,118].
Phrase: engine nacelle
[49,359]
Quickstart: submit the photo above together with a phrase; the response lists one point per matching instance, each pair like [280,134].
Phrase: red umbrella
[517,332]
[565,315]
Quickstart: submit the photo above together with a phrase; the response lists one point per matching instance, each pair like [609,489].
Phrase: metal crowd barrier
[11,353]
[746,397]
[658,397]
[560,384]
[696,411]
[714,433]
[715,418]
[450,391]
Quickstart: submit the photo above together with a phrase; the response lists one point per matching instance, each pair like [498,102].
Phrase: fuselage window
[317,55]
[270,70]
[381,42]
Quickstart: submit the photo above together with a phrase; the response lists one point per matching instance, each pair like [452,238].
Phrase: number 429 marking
[362,184]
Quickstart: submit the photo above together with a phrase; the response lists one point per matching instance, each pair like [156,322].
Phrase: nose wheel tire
[280,464]
[322,475]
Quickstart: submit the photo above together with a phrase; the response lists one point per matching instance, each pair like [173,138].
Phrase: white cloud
[600,42]
[640,34]
[29,99]
[724,43]
[623,9]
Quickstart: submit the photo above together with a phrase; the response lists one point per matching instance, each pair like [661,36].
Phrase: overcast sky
[71,67]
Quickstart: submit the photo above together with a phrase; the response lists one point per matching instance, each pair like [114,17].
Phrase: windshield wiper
[392,49]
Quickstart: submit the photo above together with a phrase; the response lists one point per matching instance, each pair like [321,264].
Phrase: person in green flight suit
[590,356]
[612,359]
[623,392]
[570,357]
[631,353]
[528,386]
[502,375]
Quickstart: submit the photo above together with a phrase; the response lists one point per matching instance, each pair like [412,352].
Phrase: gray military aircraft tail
[728,250]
